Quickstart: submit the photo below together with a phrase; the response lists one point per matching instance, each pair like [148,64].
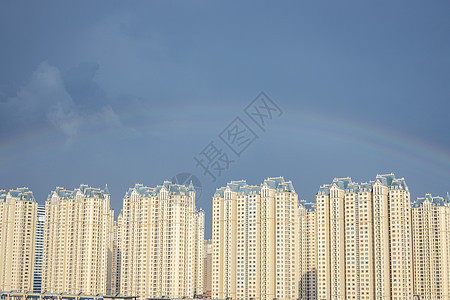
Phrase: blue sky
[120,93]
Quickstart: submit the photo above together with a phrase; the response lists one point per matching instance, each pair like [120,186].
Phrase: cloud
[44,89]
[65,116]
[70,103]
[80,84]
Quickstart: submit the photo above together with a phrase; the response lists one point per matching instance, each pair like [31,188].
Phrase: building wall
[338,243]
[116,255]
[224,244]
[199,253]
[161,242]
[431,247]
[359,256]
[78,241]
[18,211]
[364,239]
[255,241]
[400,243]
[323,245]
[382,275]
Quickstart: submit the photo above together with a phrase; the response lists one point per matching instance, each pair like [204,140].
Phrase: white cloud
[65,116]
[45,99]
[45,89]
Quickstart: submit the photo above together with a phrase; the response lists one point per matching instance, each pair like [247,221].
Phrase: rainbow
[386,140]
[305,122]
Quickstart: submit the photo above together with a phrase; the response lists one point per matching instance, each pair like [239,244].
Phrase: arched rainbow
[325,125]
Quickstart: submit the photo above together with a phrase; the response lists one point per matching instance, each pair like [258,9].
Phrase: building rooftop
[349,186]
[437,200]
[171,188]
[241,186]
[84,189]
[23,193]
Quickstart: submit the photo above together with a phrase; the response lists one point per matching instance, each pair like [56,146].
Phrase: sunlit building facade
[116,255]
[431,247]
[255,241]
[358,241]
[78,240]
[364,239]
[18,210]
[161,242]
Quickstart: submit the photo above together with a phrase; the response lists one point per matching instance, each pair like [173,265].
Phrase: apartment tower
[307,254]
[364,239]
[17,239]
[431,247]
[116,256]
[207,267]
[255,241]
[39,249]
[161,242]
[78,239]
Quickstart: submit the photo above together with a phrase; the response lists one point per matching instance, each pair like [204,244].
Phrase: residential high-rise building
[207,267]
[17,239]
[255,241]
[364,239]
[307,254]
[199,249]
[431,247]
[78,240]
[39,249]
[116,255]
[161,242]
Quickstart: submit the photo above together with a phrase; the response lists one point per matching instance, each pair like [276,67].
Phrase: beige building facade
[78,240]
[431,247]
[18,210]
[162,242]
[116,255]
[364,239]
[255,241]
[358,241]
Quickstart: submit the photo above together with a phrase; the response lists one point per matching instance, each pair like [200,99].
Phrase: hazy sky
[118,93]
